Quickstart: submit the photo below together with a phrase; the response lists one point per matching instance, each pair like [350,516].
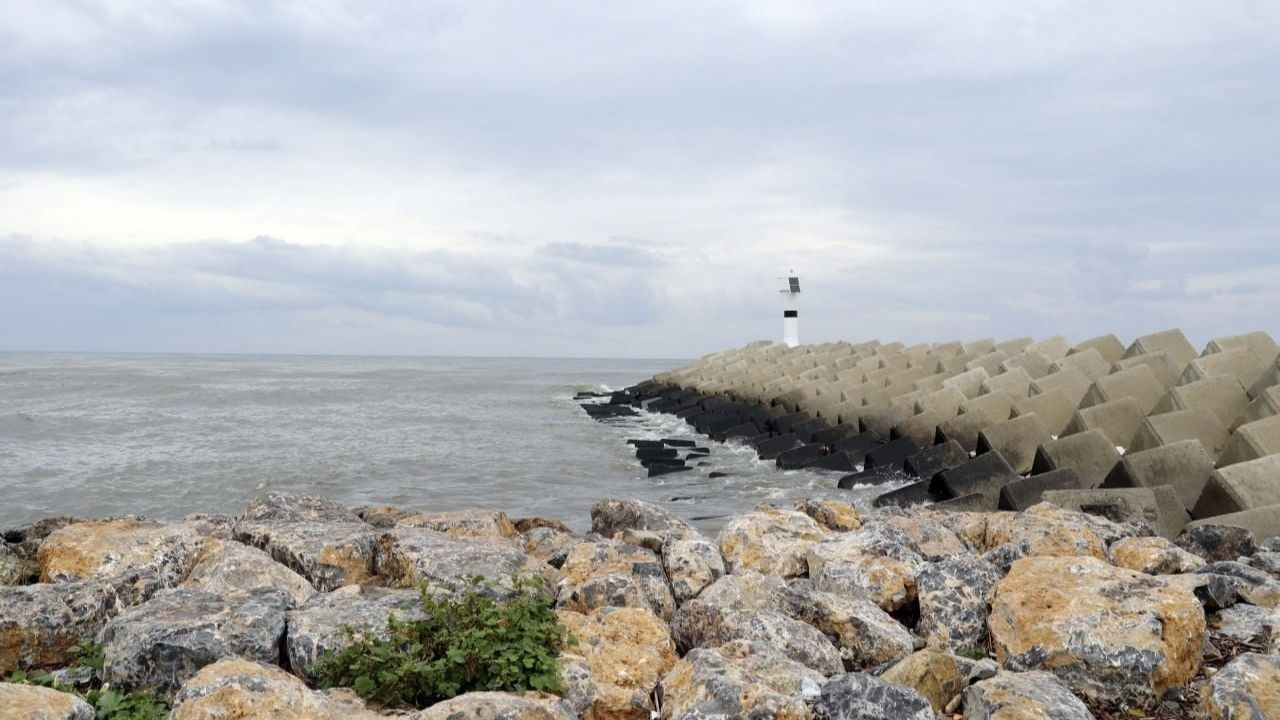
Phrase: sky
[626,179]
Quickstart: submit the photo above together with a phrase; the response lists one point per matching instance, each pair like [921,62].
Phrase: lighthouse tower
[791,311]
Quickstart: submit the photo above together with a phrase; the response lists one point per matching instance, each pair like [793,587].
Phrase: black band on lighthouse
[790,313]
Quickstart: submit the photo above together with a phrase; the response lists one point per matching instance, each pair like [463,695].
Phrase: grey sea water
[165,435]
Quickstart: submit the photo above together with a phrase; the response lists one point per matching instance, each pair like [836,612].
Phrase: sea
[97,435]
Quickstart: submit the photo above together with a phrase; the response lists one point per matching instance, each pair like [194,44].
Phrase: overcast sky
[628,179]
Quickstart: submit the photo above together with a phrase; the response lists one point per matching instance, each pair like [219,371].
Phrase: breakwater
[1152,431]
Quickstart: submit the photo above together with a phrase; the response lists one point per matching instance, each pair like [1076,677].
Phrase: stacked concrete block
[1016,440]
[1022,493]
[1168,428]
[964,428]
[1242,486]
[1072,382]
[1119,420]
[1054,408]
[988,361]
[1138,382]
[1015,382]
[968,382]
[1053,348]
[997,405]
[1108,346]
[1162,367]
[1170,342]
[1252,441]
[1184,465]
[1239,363]
[1034,364]
[1158,507]
[1090,455]
[1222,395]
[1269,379]
[1266,404]
[1089,362]
[930,383]
[1259,342]
[1013,346]
[981,346]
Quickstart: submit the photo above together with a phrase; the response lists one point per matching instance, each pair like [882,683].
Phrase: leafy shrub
[108,704]
[973,652]
[461,644]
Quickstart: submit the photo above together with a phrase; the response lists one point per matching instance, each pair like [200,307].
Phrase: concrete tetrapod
[1108,346]
[1168,428]
[1137,382]
[1263,522]
[1222,395]
[1158,363]
[1089,362]
[1258,341]
[1013,381]
[1016,440]
[1054,408]
[1090,454]
[1119,420]
[996,404]
[1264,405]
[1072,382]
[1252,441]
[1022,493]
[1240,363]
[1184,465]
[1158,507]
[1242,486]
[1170,342]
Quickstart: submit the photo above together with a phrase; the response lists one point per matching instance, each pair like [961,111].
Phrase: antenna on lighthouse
[791,309]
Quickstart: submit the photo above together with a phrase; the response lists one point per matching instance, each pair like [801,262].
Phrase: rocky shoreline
[820,610]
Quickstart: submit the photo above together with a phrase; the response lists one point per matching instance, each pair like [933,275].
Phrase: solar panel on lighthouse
[795,284]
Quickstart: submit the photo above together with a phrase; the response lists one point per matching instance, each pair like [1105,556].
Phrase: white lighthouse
[791,310]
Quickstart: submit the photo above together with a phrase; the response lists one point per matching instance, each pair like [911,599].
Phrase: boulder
[739,679]
[548,544]
[610,516]
[1111,634]
[1216,542]
[241,688]
[319,625]
[136,556]
[834,515]
[456,523]
[165,640]
[744,606]
[328,555]
[1023,696]
[230,569]
[409,556]
[611,573]
[770,540]
[1249,584]
[865,635]
[877,561]
[39,624]
[953,595]
[279,507]
[1237,629]
[1153,556]
[859,696]
[497,706]
[14,569]
[1248,687]
[1047,529]
[938,676]
[31,702]
[691,563]
[621,655]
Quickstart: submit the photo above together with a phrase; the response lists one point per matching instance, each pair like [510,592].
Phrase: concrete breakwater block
[1034,364]
[1107,346]
[1258,341]
[655,453]
[1090,455]
[1016,440]
[745,430]
[881,422]
[1223,396]
[1170,342]
[964,429]
[1016,383]
[1138,382]
[1053,408]
[1252,441]
[658,470]
[891,455]
[829,436]
[921,428]
[934,459]
[915,493]
[1053,347]
[1262,522]
[984,475]
[973,502]
[1119,420]
[773,447]
[1265,405]
[1168,428]
[786,422]
[806,430]
[1239,363]
[1089,363]
[797,458]
[1158,507]
[1022,493]
[996,404]
[835,462]
[875,476]
[1269,379]
[969,382]
[1073,383]
[989,362]
[1184,465]
[1242,486]
[943,404]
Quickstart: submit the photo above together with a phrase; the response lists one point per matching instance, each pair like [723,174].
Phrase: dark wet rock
[292,508]
[610,516]
[1113,635]
[771,541]
[329,555]
[692,562]
[738,680]
[611,573]
[319,625]
[409,556]
[620,656]
[497,706]
[164,641]
[135,556]
[1247,688]
[229,569]
[240,688]
[739,607]
[29,702]
[39,624]
[859,696]
[1267,561]
[953,595]
[1217,542]
[1023,696]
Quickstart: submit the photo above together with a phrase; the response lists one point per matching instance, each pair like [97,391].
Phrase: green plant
[973,652]
[89,654]
[464,643]
[108,704]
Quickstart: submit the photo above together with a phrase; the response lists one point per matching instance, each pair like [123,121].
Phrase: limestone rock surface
[834,515]
[859,696]
[771,541]
[497,706]
[408,556]
[455,523]
[611,573]
[865,635]
[610,516]
[1247,688]
[136,556]
[1153,556]
[167,639]
[691,562]
[938,676]
[878,561]
[29,702]
[39,624]
[1111,634]
[621,655]
[328,555]
[738,680]
[229,568]
[236,688]
[1023,696]
[953,594]
[316,627]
